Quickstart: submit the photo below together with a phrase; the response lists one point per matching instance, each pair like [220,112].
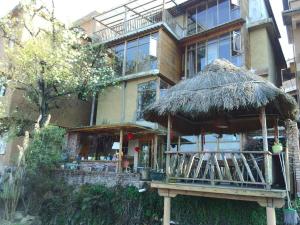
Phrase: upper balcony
[136,16]
[182,20]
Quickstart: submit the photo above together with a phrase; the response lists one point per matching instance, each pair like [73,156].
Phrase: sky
[71,10]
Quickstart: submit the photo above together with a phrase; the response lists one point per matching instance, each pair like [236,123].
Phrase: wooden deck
[264,197]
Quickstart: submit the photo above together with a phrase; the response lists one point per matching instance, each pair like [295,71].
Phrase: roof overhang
[115,129]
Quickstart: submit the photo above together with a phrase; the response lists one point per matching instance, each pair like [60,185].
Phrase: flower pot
[277,148]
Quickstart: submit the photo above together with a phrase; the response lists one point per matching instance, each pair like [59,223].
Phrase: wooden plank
[247,168]
[227,169]
[218,167]
[257,169]
[237,168]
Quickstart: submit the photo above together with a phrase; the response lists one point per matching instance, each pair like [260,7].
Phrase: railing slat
[237,168]
[247,168]
[218,167]
[199,166]
[189,166]
[227,169]
[257,169]
[206,166]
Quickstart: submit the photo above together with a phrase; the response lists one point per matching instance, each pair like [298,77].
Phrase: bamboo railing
[241,167]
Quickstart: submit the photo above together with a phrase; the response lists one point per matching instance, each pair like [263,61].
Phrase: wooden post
[271,216]
[168,146]
[267,157]
[120,152]
[155,143]
[167,210]
[287,168]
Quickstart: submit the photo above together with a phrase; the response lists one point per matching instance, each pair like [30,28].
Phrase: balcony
[151,20]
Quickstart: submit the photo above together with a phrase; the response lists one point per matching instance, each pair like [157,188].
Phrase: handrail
[240,167]
[151,18]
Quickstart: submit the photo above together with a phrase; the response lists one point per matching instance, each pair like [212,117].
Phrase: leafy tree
[48,60]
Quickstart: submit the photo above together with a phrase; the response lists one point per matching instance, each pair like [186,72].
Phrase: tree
[51,60]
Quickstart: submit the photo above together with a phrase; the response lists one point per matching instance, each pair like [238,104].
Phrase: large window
[211,13]
[141,54]
[146,96]
[227,46]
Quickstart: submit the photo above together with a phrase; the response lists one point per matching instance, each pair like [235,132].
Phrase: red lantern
[137,149]
[130,136]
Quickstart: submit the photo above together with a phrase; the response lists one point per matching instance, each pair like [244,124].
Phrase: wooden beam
[120,151]
[168,145]
[167,210]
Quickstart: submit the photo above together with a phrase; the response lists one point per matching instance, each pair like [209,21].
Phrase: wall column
[167,210]
[271,216]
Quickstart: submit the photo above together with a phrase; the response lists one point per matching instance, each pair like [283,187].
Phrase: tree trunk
[43,104]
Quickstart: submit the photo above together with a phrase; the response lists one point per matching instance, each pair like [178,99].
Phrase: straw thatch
[222,90]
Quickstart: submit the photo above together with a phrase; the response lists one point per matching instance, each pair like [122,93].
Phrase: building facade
[156,44]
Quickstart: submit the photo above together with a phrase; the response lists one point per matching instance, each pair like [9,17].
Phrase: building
[17,107]
[291,18]
[156,44]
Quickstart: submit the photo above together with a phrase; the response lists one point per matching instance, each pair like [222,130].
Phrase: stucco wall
[261,53]
[109,106]
[109,109]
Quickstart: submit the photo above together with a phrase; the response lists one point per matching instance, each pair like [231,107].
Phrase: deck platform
[264,197]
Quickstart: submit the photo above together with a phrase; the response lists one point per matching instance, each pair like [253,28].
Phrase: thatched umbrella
[221,91]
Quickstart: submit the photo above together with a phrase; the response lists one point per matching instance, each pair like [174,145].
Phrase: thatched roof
[222,90]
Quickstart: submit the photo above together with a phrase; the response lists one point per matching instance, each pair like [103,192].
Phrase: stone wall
[109,179]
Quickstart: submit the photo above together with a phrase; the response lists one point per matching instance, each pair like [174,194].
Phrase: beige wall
[11,152]
[109,109]
[262,54]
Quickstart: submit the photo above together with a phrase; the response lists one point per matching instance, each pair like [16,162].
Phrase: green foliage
[44,150]
[99,205]
[49,60]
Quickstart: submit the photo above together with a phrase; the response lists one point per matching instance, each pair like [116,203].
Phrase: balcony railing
[139,23]
[227,167]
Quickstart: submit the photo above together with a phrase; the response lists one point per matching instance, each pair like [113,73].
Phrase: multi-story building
[14,106]
[155,44]
[291,18]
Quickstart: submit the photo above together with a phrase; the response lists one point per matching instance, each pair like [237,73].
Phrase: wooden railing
[141,22]
[215,167]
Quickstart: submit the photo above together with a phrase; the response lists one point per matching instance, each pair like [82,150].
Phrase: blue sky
[71,10]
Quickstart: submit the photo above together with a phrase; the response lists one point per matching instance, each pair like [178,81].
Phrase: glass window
[146,96]
[236,43]
[201,17]
[143,58]
[224,13]
[163,87]
[212,50]
[224,47]
[118,59]
[131,57]
[201,56]
[3,141]
[191,60]
[212,13]
[191,22]
[235,9]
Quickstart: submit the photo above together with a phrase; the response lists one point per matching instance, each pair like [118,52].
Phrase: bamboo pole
[155,166]
[167,210]
[267,159]
[271,216]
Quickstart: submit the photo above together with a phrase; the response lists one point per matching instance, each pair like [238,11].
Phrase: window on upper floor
[146,95]
[227,46]
[211,13]
[141,54]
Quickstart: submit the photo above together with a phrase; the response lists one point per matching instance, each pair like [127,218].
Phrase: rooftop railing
[139,23]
